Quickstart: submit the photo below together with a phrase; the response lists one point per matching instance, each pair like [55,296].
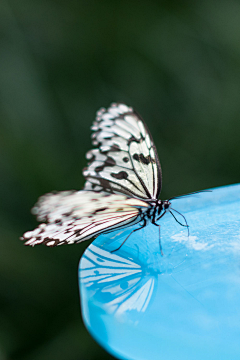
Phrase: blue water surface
[184,304]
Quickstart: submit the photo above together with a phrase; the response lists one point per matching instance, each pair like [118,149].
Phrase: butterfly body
[156,210]
[123,184]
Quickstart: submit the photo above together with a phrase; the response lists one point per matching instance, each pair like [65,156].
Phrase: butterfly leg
[187,226]
[144,224]
[159,233]
[159,238]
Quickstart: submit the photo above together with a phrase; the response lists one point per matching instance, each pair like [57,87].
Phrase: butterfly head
[166,204]
[162,207]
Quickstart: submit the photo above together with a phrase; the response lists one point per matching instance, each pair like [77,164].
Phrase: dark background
[176,62]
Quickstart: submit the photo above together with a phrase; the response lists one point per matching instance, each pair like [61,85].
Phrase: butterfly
[122,188]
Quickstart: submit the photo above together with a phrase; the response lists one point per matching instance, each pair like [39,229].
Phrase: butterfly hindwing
[75,216]
[126,160]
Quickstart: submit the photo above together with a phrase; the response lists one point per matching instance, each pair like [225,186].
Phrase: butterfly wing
[75,216]
[126,159]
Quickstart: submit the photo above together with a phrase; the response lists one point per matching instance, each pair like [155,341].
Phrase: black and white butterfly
[123,183]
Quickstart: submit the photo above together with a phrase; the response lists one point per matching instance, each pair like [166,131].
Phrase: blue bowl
[184,304]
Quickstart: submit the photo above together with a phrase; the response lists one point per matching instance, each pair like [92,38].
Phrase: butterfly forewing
[126,160]
[75,216]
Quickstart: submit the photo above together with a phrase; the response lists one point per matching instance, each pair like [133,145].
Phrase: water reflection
[120,284]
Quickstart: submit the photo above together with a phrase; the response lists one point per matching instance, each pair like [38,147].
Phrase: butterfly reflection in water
[123,183]
[122,286]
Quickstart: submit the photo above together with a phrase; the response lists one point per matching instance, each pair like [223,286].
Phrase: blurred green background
[177,63]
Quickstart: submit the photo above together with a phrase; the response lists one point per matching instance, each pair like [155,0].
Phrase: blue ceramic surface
[185,304]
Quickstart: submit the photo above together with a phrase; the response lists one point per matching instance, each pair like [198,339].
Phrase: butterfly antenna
[179,221]
[192,193]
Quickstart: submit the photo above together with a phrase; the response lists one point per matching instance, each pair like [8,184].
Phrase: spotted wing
[126,159]
[75,216]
